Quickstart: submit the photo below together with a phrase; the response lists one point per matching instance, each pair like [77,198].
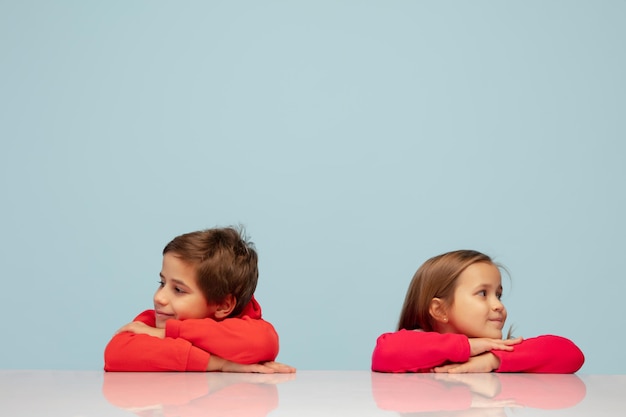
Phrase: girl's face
[476,310]
[178,296]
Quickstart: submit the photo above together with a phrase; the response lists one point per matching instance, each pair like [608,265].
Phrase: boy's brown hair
[226,263]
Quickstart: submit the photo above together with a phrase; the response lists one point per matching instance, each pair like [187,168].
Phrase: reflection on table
[475,394]
[192,394]
[58,393]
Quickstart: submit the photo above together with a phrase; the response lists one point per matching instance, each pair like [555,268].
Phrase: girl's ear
[225,307]
[438,310]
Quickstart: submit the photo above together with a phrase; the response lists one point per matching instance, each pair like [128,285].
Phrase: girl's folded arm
[542,354]
[418,351]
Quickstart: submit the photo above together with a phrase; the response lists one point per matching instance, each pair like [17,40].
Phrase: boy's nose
[160,298]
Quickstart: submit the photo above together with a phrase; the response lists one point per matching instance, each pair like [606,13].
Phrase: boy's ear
[438,310]
[225,307]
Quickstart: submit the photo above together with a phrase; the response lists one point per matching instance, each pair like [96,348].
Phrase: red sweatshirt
[418,351]
[188,344]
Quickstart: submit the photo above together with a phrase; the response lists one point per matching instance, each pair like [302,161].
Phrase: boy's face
[178,296]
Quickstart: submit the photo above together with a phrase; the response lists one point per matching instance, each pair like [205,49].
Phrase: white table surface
[307,393]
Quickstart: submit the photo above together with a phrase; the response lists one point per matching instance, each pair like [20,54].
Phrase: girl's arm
[418,351]
[543,354]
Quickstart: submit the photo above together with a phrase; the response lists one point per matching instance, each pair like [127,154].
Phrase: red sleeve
[543,354]
[130,352]
[246,339]
[418,351]
[241,340]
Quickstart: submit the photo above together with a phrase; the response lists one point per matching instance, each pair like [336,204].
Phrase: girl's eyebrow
[487,285]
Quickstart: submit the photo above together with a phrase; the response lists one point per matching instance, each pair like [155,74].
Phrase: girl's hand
[483,344]
[486,362]
[142,328]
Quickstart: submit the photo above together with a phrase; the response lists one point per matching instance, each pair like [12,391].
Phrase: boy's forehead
[177,266]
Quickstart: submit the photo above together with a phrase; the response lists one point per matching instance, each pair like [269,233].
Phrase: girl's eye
[482,293]
[161,284]
[499,295]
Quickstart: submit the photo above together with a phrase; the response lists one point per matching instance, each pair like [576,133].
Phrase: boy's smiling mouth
[162,314]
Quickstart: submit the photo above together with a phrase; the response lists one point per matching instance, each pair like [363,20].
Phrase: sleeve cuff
[198,360]
[172,329]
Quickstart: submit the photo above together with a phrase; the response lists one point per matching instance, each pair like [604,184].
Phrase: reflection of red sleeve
[243,399]
[418,393]
[189,394]
[545,391]
[138,390]
[543,354]
[415,351]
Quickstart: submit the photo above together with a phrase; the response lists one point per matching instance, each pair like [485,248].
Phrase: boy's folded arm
[244,340]
[415,351]
[130,352]
[542,354]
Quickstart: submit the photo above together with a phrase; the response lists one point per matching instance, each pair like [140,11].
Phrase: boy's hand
[142,328]
[486,362]
[219,364]
[280,368]
[483,344]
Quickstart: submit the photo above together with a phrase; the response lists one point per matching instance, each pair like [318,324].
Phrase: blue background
[352,139]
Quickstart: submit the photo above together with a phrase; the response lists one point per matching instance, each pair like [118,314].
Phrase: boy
[205,317]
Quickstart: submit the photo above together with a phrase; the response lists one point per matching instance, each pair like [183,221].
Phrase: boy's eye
[179,290]
[161,284]
[482,293]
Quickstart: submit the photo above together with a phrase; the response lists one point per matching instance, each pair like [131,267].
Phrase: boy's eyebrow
[179,282]
[174,280]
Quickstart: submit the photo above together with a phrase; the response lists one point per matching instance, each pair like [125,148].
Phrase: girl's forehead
[480,273]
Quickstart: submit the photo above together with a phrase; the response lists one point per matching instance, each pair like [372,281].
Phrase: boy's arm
[543,354]
[130,352]
[244,340]
[414,351]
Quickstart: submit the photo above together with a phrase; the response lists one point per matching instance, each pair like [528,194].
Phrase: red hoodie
[419,351]
[188,344]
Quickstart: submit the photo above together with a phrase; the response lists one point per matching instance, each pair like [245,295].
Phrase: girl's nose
[498,306]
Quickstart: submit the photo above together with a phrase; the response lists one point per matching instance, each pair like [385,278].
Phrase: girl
[452,321]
